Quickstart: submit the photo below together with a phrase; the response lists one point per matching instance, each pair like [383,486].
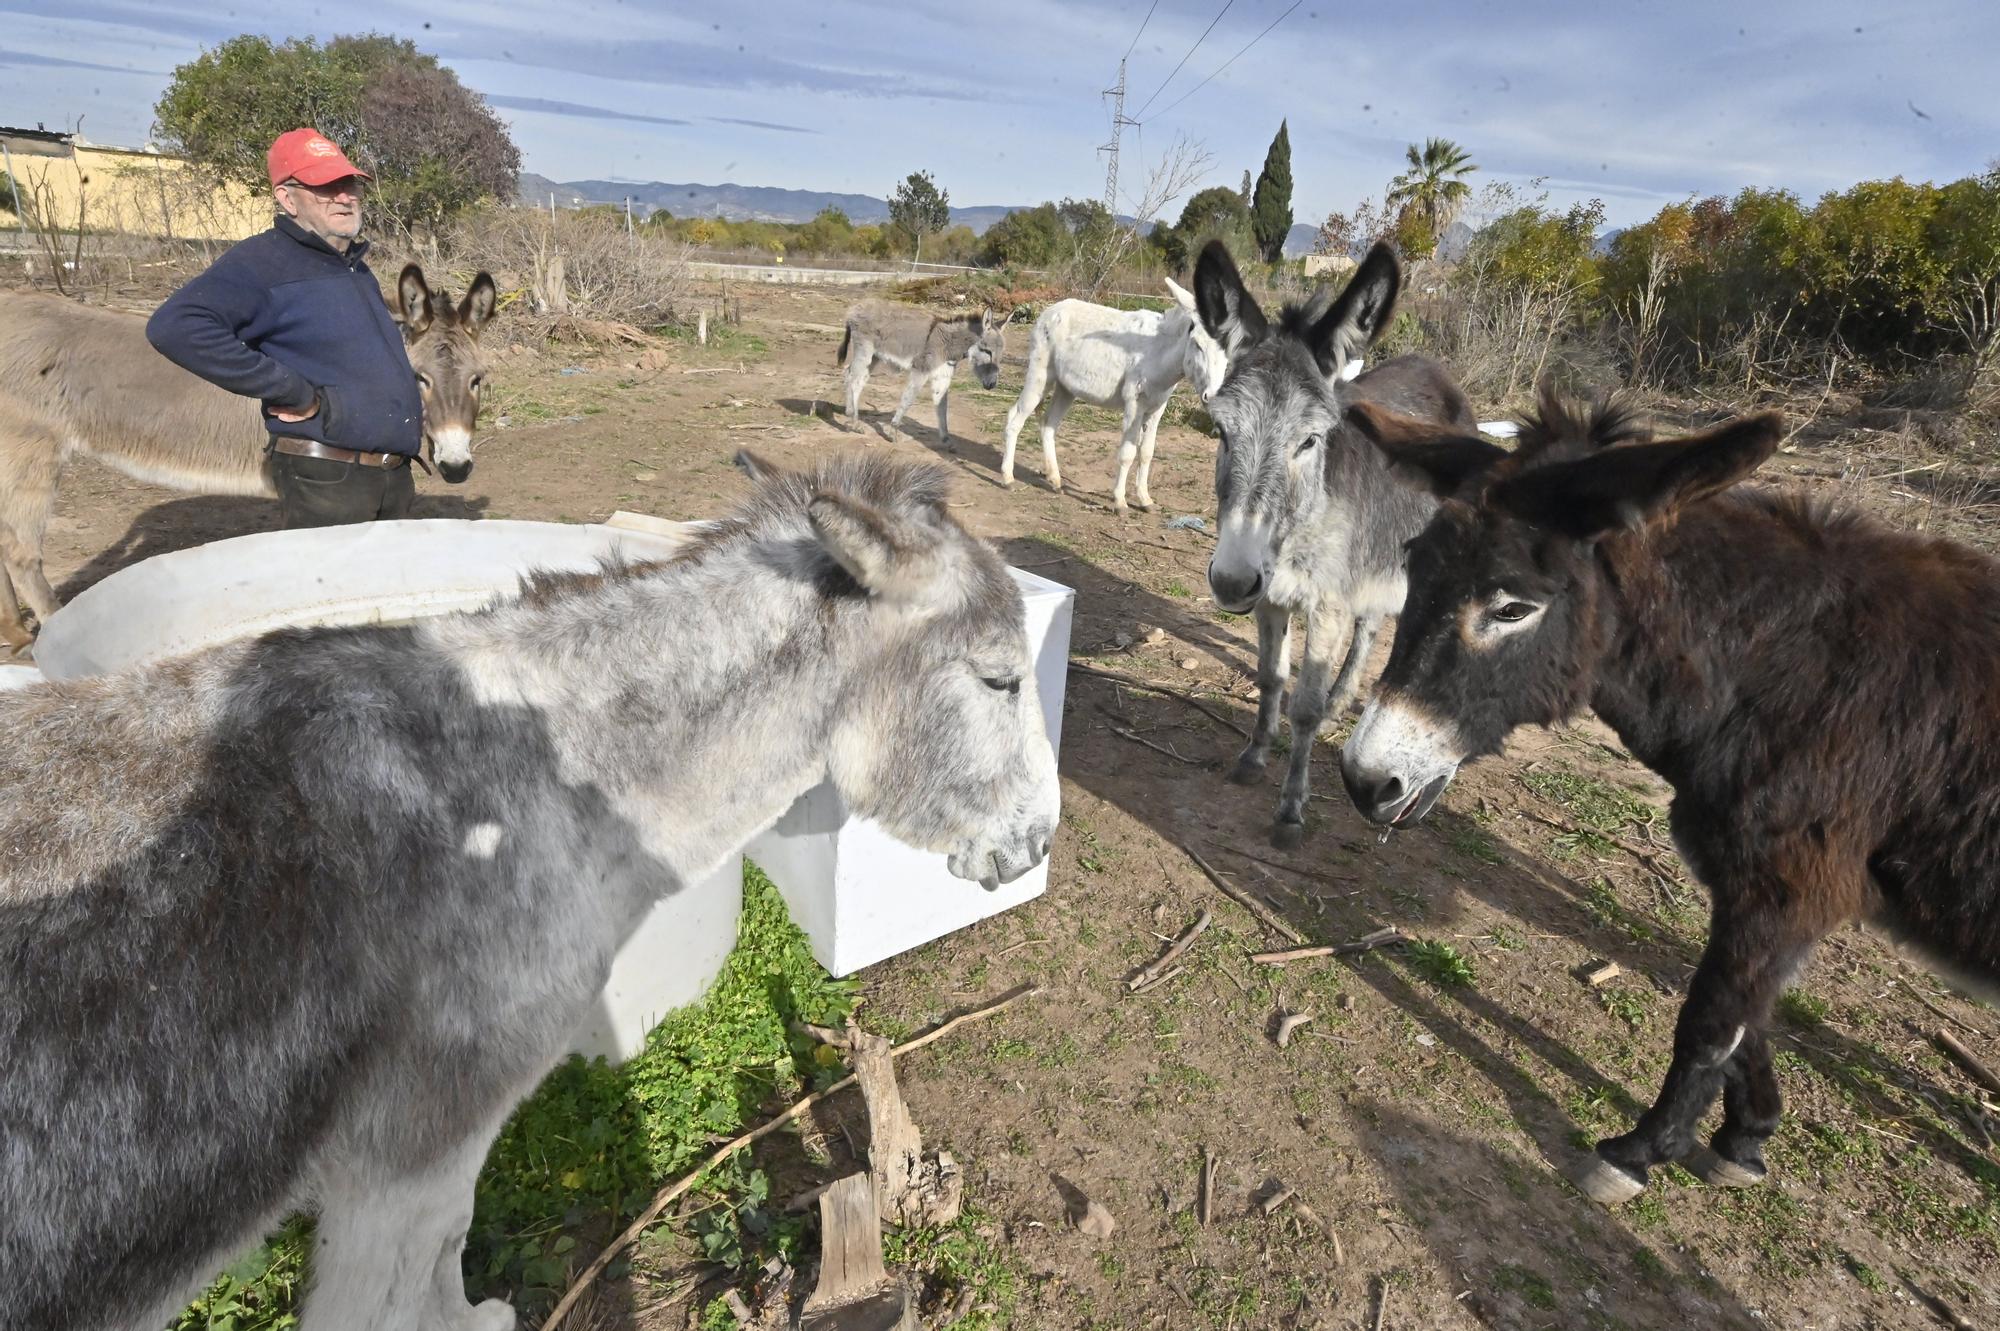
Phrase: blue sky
[1639,103]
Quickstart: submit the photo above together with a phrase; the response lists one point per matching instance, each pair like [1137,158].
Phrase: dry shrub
[571,276]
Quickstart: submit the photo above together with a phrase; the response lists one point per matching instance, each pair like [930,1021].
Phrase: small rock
[1150,633]
[1096,1221]
[1345,1002]
[1426,1039]
[1189,663]
[1121,640]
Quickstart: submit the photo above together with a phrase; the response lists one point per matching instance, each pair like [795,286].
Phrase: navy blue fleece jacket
[282,316]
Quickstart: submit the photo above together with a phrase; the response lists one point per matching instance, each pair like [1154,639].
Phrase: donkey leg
[1274,666]
[1313,700]
[1033,382]
[14,633]
[30,472]
[941,399]
[1146,442]
[387,1250]
[1059,405]
[916,380]
[1750,954]
[1128,450]
[855,378]
[1751,1108]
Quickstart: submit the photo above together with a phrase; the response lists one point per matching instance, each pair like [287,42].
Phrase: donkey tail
[846,336]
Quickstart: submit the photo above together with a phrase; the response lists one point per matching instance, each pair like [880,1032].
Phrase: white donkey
[295,923]
[1129,359]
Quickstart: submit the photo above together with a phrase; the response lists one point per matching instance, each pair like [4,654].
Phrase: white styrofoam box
[859,894]
[667,962]
[19,676]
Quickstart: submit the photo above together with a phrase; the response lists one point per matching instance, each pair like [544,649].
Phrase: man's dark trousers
[320,492]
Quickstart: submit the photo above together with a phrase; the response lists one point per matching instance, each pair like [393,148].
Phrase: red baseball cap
[309,157]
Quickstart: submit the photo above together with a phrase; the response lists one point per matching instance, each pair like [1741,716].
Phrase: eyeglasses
[333,189]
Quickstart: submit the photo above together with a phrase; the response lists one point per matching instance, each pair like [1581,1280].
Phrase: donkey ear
[1629,486]
[756,468]
[413,299]
[477,307]
[1358,316]
[1423,453]
[887,557]
[1227,309]
[1182,296]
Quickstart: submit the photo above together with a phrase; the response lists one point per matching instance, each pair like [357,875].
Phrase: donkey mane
[775,507]
[1558,430]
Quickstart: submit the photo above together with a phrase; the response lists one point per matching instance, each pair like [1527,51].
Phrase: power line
[1142,30]
[1184,59]
[1232,59]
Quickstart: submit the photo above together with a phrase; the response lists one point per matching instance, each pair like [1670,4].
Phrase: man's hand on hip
[287,414]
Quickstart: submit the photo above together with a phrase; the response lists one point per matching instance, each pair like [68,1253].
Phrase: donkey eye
[1311,441]
[423,379]
[475,383]
[1513,612]
[1010,684]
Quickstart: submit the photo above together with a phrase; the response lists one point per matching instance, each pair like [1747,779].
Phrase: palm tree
[1434,183]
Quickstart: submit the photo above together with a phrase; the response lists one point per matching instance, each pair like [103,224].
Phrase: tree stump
[855,1291]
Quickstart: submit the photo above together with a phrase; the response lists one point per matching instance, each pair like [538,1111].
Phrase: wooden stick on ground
[1112,724]
[1205,1202]
[1133,681]
[1242,898]
[1968,1060]
[665,1197]
[1145,975]
[1383,937]
[855,1289]
[1341,880]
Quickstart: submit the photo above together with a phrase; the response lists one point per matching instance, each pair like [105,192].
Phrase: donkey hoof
[1247,772]
[492,1315]
[1719,1171]
[1607,1184]
[1288,836]
[1144,506]
[1055,485]
[1006,482]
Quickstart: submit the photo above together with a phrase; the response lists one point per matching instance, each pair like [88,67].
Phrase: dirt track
[1424,1123]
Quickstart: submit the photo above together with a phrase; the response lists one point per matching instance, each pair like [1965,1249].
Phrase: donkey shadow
[1444,878]
[182,524]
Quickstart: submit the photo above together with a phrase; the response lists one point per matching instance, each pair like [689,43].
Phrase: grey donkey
[1310,522]
[928,347]
[294,924]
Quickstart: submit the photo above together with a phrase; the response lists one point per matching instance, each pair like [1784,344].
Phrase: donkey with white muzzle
[1309,521]
[293,925]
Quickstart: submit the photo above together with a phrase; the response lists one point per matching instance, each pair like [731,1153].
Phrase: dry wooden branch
[666,1196]
[1205,1201]
[1968,1060]
[1120,731]
[1965,1026]
[1278,1197]
[1167,690]
[1598,974]
[910,1190]
[1381,1301]
[1648,859]
[1242,898]
[1338,880]
[1387,936]
[1290,1023]
[1145,975]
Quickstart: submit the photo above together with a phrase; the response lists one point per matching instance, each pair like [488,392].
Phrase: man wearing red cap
[293,317]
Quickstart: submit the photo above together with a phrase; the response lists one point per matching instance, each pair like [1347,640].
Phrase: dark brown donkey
[1823,694]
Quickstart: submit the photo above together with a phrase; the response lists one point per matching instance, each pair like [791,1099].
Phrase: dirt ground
[1426,1115]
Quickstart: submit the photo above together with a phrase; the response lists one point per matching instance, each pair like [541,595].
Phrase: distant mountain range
[734,203]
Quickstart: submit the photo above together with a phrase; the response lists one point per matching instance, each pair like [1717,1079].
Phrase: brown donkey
[1822,693]
[75,379]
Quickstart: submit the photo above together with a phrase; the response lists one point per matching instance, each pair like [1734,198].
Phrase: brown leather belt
[306,448]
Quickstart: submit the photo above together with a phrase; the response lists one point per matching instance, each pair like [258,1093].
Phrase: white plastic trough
[858,894]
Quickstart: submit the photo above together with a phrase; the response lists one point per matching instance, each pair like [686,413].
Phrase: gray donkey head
[443,344]
[989,345]
[938,733]
[1282,399]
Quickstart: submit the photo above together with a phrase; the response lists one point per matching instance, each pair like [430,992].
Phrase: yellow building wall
[137,193]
